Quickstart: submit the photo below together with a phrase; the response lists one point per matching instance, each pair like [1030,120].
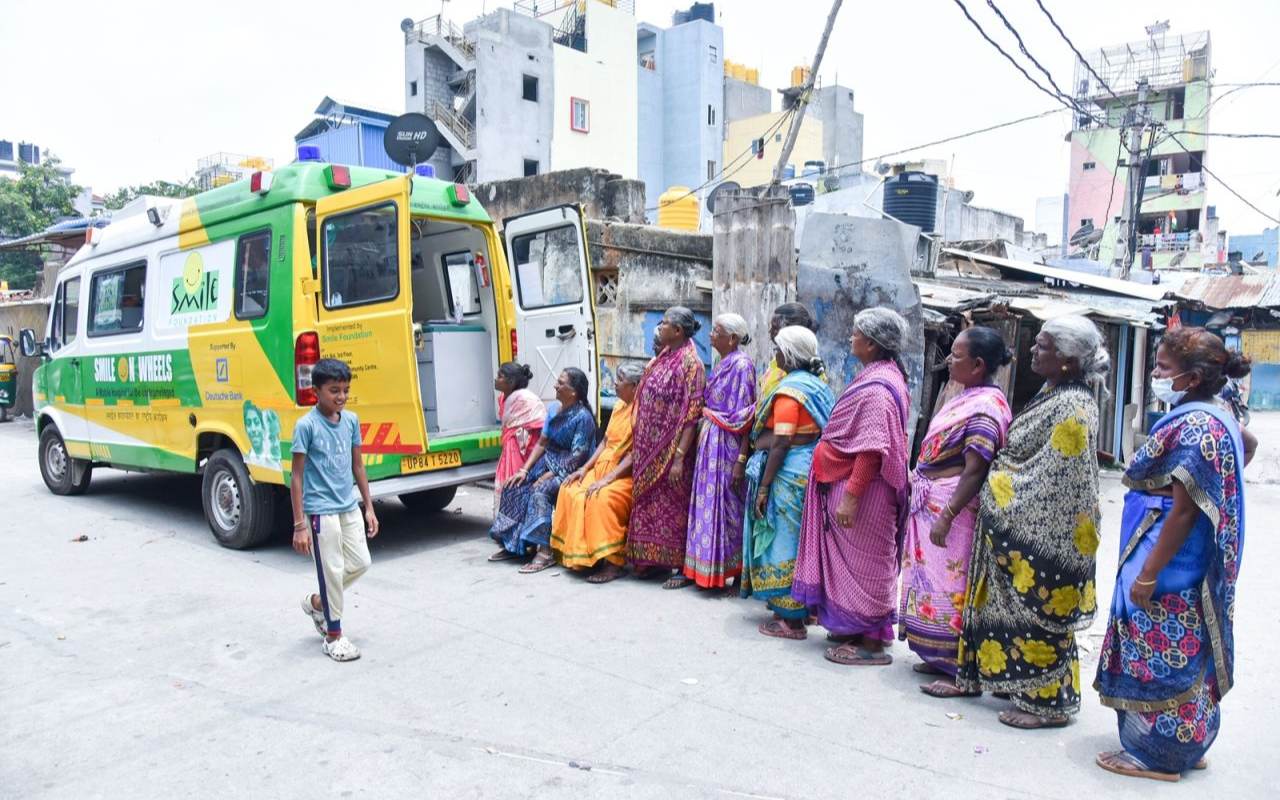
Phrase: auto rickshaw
[8,376]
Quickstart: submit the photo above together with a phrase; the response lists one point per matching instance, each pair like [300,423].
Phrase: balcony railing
[442,28]
[1185,183]
[455,122]
[1170,242]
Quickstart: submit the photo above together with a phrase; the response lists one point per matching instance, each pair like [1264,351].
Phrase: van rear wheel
[240,513]
[62,474]
[430,501]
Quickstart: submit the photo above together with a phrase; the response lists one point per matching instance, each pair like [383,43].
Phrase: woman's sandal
[945,689]
[540,562]
[676,582]
[609,572]
[1123,763]
[502,555]
[926,669]
[1025,721]
[851,655]
[779,629]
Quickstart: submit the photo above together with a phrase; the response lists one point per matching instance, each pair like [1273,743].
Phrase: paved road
[148,662]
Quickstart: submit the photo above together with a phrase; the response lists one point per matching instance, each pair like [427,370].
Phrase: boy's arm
[301,530]
[362,481]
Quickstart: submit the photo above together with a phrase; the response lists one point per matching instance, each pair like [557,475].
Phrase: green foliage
[38,198]
[122,196]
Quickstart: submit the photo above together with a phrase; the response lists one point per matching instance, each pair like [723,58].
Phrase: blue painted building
[349,135]
[681,102]
[1249,245]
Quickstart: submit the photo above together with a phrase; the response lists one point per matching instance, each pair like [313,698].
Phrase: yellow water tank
[753,77]
[799,76]
[728,68]
[678,209]
[740,71]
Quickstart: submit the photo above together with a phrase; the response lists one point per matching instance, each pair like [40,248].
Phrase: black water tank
[912,197]
[703,11]
[801,194]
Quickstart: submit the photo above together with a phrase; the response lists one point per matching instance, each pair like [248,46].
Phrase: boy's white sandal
[317,617]
[341,649]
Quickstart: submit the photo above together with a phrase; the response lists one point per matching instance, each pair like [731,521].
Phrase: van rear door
[555,316]
[365,314]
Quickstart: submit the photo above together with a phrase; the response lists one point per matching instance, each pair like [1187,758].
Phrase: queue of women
[807,502]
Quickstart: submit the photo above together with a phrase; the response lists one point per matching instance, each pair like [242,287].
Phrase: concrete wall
[605,76]
[960,221]
[602,195]
[510,129]
[755,172]
[13,318]
[742,100]
[1249,244]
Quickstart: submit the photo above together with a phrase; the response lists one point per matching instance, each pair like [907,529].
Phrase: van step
[421,481]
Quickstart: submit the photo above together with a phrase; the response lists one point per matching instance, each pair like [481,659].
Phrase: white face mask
[1164,391]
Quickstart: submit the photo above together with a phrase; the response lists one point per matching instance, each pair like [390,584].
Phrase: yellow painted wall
[738,136]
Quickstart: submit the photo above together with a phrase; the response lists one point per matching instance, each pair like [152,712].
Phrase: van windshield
[361,257]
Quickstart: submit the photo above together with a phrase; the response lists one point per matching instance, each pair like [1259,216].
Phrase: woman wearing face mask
[1169,653]
[1031,576]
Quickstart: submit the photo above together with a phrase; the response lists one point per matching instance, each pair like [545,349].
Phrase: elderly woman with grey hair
[847,567]
[590,523]
[1031,577]
[668,407]
[713,547]
[788,421]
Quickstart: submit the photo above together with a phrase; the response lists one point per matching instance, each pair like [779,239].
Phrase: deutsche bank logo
[221,370]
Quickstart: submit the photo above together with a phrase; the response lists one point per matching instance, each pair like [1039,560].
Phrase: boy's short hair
[328,370]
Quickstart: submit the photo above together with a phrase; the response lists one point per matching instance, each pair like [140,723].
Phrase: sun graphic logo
[122,369]
[196,289]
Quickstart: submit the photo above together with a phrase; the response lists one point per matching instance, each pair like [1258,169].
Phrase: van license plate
[426,462]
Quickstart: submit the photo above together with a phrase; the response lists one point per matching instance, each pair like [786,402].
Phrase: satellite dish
[406,24]
[882,168]
[968,196]
[1086,235]
[411,139]
[723,188]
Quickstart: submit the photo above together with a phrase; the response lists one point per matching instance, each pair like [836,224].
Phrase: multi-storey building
[544,85]
[1175,224]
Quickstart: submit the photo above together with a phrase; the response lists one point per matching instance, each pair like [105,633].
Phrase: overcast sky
[131,92]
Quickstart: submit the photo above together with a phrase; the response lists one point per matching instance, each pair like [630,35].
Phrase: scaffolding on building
[221,169]
[1164,60]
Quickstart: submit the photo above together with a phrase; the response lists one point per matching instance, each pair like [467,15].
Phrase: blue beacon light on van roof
[425,171]
[309,152]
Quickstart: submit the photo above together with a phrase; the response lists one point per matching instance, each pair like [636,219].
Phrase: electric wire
[1221,182]
[1076,50]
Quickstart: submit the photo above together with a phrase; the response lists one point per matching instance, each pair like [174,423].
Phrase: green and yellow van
[182,336]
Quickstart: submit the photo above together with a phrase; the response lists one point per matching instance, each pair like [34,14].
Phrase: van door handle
[566,333]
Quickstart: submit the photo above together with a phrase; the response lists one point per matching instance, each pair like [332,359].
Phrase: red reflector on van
[260,182]
[306,352]
[515,345]
[459,195]
[337,176]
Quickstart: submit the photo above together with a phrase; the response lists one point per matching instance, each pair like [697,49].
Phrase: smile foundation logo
[195,290]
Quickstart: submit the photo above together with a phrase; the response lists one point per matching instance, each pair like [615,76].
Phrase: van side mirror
[27,343]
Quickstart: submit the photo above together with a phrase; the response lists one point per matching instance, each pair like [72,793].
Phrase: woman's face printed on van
[253,427]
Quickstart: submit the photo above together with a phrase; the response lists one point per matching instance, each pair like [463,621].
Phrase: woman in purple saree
[713,549]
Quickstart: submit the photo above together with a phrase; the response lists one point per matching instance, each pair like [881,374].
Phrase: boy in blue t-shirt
[326,519]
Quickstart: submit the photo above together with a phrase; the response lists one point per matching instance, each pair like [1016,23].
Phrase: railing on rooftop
[441,28]
[1163,61]
[540,8]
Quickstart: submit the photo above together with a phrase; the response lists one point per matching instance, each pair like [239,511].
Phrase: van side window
[66,314]
[253,275]
[361,257]
[548,267]
[460,286]
[116,300]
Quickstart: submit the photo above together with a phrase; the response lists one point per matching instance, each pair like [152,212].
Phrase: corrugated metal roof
[1113,285]
[1232,291]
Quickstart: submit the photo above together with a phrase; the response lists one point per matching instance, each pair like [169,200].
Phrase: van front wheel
[430,501]
[240,512]
[62,473]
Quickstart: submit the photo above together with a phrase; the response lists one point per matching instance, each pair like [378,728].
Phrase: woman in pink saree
[668,406]
[956,453]
[847,567]
[522,414]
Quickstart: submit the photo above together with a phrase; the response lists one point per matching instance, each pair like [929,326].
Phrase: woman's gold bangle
[1145,583]
[742,459]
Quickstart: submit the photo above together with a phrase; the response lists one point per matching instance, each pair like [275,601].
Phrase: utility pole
[1127,234]
[802,101]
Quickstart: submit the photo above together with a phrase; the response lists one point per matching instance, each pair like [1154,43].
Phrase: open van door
[365,307]
[555,316]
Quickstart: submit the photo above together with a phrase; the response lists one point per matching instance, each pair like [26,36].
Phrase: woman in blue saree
[789,421]
[1168,656]
[523,520]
